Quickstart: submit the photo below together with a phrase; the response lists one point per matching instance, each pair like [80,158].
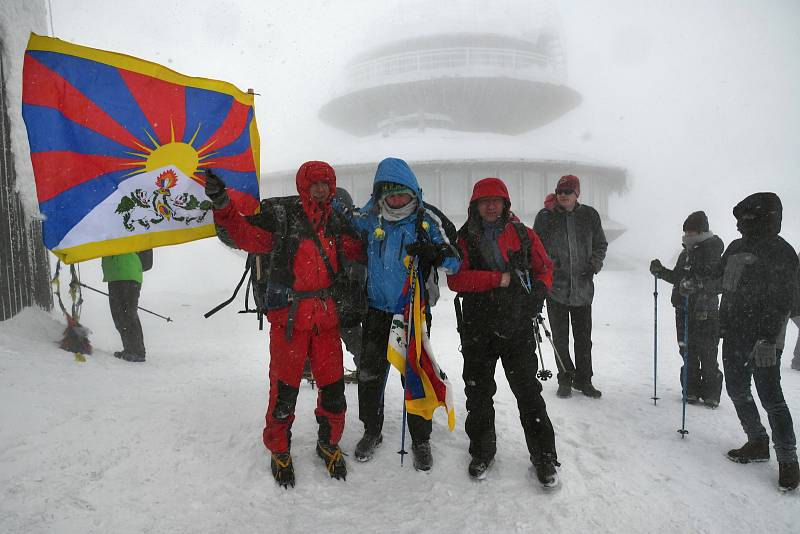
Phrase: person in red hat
[503,279]
[573,237]
[307,241]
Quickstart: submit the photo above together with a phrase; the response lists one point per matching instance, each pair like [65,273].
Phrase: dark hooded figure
[693,279]
[759,277]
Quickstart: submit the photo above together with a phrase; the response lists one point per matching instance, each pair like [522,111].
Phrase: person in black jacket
[759,277]
[693,277]
[573,236]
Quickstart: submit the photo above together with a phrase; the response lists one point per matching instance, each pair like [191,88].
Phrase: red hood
[309,173]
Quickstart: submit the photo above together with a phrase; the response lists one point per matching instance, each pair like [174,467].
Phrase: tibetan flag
[119,146]
[410,352]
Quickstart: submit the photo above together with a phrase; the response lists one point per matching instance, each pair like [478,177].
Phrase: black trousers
[739,372]
[703,374]
[560,315]
[482,349]
[372,372]
[123,298]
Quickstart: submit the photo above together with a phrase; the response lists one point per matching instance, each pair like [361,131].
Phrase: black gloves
[428,254]
[215,190]
[656,268]
[687,287]
[764,354]
[533,301]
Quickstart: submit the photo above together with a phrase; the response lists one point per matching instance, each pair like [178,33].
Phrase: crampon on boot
[282,469]
[334,460]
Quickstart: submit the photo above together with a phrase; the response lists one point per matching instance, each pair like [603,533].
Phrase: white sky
[697,99]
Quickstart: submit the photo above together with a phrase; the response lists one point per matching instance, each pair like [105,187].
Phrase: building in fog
[455,97]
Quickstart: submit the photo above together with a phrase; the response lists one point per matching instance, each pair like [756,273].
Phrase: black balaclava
[759,215]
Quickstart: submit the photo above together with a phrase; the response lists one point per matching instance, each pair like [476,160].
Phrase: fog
[697,100]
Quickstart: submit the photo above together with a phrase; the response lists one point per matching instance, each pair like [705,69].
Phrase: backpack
[146,257]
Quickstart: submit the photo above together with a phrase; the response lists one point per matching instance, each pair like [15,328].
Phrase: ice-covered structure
[454,94]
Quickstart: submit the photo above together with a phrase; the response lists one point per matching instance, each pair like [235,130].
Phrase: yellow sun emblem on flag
[183,156]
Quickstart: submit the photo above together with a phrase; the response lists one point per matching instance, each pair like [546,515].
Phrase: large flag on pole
[410,352]
[119,145]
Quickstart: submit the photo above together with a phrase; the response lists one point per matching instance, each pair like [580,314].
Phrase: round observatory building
[454,92]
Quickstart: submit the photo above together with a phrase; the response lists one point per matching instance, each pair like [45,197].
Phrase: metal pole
[685,373]
[139,307]
[655,340]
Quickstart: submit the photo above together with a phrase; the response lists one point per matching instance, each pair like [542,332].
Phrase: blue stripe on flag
[103,85]
[66,210]
[49,130]
[207,110]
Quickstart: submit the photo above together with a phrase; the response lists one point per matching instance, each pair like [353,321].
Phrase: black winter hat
[759,214]
[696,222]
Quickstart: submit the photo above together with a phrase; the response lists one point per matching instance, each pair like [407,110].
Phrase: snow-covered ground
[174,445]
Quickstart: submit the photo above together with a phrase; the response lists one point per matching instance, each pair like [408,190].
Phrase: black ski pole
[685,373]
[549,336]
[139,307]
[655,340]
[543,374]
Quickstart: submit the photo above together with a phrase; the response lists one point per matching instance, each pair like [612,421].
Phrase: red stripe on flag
[58,171]
[163,103]
[232,128]
[43,87]
[240,162]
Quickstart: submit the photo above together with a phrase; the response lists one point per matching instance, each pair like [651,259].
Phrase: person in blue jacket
[394,224]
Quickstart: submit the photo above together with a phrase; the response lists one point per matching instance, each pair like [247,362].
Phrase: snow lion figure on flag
[119,146]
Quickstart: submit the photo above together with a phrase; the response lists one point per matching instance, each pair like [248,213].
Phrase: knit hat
[392,188]
[570,182]
[490,187]
[696,222]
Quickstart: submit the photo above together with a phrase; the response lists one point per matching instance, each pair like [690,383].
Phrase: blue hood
[397,171]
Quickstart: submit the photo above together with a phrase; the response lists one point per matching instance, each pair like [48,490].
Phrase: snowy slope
[174,445]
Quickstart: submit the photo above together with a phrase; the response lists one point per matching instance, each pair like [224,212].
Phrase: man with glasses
[574,239]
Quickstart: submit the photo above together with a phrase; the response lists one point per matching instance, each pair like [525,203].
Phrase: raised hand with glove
[656,268]
[764,354]
[215,190]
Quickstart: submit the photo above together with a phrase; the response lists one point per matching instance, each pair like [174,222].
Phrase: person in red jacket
[307,241]
[504,277]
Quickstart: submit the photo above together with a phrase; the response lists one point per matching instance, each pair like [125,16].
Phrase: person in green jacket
[123,273]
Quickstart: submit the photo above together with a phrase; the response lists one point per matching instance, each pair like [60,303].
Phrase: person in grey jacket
[694,278]
[574,239]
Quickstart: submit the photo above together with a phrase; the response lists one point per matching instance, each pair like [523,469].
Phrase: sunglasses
[564,191]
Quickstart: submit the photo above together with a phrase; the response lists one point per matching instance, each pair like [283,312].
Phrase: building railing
[462,61]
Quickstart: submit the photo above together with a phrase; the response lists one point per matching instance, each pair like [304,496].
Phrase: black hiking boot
[587,389]
[788,476]
[711,403]
[282,469]
[129,356]
[334,460]
[752,451]
[546,471]
[692,399]
[423,459]
[564,389]
[478,467]
[366,446]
